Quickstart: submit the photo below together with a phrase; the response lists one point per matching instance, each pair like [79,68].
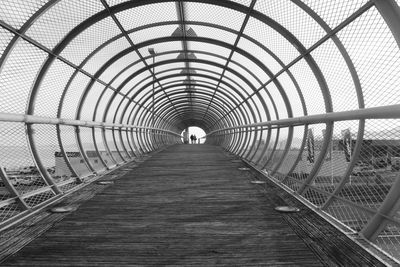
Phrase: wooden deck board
[188,205]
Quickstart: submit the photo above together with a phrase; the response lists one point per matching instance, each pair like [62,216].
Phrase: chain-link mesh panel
[293,18]
[16,13]
[114,149]
[8,211]
[337,156]
[374,172]
[106,53]
[71,148]
[350,215]
[337,75]
[270,106]
[145,15]
[242,2]
[309,86]
[51,88]
[87,41]
[5,38]
[115,2]
[128,113]
[210,32]
[17,159]
[133,137]
[104,154]
[315,196]
[271,63]
[125,140]
[115,68]
[120,144]
[152,33]
[89,105]
[212,14]
[103,104]
[252,150]
[292,154]
[136,82]
[292,93]
[294,181]
[389,239]
[277,157]
[60,19]
[113,108]
[53,159]
[277,97]
[246,66]
[265,157]
[17,75]
[275,41]
[334,12]
[37,199]
[248,146]
[376,57]
[118,116]
[85,134]
[309,155]
[73,95]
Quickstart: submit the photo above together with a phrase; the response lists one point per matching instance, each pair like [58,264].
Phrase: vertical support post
[390,12]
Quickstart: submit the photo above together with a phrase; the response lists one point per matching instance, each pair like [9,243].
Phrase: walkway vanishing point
[187,205]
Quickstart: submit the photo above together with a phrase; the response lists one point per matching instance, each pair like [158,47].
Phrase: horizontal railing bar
[33,119]
[8,201]
[384,112]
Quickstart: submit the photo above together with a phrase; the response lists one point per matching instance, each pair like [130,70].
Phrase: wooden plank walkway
[187,205]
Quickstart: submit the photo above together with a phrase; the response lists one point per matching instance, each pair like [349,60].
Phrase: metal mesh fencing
[310,89]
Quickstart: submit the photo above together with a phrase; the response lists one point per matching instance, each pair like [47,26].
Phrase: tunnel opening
[197,132]
[303,91]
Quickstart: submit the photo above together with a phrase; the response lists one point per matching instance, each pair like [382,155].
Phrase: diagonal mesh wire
[73,154]
[73,94]
[316,197]
[389,239]
[61,18]
[5,38]
[337,76]
[37,199]
[16,158]
[90,39]
[292,155]
[9,211]
[52,157]
[280,149]
[85,134]
[51,88]
[336,160]
[334,12]
[376,57]
[106,53]
[17,75]
[350,215]
[16,13]
[293,18]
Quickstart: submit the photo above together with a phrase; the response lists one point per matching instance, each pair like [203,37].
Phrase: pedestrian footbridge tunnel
[305,91]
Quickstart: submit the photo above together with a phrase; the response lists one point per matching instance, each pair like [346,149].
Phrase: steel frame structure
[259,98]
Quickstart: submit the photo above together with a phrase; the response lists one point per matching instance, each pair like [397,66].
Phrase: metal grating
[349,71]
[24,63]
[49,92]
[376,57]
[50,28]
[16,13]
[292,18]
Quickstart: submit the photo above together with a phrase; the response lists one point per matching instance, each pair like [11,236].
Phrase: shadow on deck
[187,205]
